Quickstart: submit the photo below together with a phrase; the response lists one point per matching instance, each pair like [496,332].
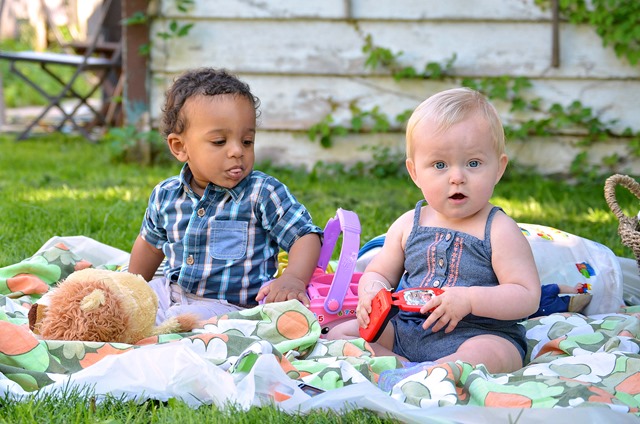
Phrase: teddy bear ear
[36,315]
[93,300]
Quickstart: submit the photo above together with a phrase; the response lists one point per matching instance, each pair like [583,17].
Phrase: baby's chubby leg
[344,330]
[350,330]
[497,354]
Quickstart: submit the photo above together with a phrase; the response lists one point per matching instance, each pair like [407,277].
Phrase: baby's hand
[284,288]
[450,307]
[365,296]
[363,310]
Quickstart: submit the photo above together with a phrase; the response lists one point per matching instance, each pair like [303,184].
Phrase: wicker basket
[628,228]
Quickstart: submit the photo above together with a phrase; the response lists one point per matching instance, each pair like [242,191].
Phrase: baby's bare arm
[145,259]
[384,270]
[564,289]
[518,294]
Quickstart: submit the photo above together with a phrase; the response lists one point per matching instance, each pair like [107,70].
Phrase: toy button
[448,237]
[190,260]
[333,305]
[436,283]
[201,212]
[441,262]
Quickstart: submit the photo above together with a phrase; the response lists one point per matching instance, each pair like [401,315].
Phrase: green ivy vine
[381,57]
[374,121]
[175,29]
[617,22]
[514,91]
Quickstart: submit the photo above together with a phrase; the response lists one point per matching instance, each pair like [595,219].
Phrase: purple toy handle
[348,223]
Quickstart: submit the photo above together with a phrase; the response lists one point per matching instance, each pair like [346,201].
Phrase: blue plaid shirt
[224,245]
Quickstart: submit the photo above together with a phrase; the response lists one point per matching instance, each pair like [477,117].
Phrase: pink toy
[334,297]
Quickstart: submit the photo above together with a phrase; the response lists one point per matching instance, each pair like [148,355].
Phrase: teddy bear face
[100,305]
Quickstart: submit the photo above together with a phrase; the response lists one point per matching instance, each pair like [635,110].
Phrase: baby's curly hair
[205,82]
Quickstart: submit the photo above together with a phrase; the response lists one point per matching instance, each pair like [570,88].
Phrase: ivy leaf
[184,30]
[138,18]
[356,123]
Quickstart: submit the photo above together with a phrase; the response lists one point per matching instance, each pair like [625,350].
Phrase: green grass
[77,407]
[64,186]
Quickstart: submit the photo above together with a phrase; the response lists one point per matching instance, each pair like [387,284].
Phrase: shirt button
[201,212]
[441,262]
[190,260]
[448,237]
[436,283]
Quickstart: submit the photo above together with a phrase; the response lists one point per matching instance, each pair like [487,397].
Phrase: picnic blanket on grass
[588,365]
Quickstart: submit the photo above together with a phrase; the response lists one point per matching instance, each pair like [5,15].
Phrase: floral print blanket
[262,354]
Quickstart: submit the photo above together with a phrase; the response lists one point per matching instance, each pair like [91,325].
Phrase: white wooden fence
[304,60]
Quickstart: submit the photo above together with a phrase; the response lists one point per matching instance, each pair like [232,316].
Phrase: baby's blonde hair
[450,107]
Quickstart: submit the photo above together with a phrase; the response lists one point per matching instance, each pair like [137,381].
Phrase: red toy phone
[385,302]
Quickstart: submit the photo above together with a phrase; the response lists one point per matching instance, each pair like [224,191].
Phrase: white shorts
[173,301]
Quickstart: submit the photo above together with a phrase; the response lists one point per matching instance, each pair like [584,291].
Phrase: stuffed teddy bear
[103,306]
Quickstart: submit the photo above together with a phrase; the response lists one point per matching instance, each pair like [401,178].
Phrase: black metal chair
[103,59]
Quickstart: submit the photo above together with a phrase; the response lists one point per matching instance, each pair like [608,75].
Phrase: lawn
[63,186]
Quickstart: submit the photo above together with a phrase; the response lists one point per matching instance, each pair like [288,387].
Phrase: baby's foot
[578,302]
[390,378]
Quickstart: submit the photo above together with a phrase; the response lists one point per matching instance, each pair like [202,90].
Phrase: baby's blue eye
[474,164]
[439,165]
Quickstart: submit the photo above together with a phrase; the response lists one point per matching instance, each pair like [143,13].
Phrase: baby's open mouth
[458,196]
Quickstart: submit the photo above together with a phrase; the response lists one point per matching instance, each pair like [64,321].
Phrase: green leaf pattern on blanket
[573,361]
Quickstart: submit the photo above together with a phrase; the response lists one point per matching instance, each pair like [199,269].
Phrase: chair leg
[68,91]
[55,102]
[24,134]
[110,115]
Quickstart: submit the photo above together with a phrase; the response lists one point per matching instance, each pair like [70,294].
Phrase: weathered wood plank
[297,102]
[364,9]
[335,48]
[548,155]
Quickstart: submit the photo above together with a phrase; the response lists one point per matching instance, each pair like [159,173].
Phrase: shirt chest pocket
[228,239]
